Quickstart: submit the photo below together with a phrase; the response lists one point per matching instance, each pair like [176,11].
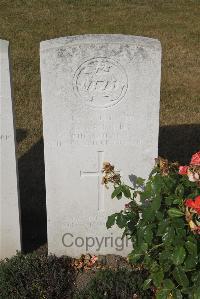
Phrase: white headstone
[100,103]
[9,211]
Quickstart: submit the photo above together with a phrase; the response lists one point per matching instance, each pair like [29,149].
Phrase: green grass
[175,23]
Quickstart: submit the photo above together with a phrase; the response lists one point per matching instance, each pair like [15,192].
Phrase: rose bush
[164,226]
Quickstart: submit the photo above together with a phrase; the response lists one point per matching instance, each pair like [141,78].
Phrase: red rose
[195,159]
[183,170]
[194,204]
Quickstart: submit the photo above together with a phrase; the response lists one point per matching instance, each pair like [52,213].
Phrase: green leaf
[119,196]
[116,191]
[180,277]
[134,256]
[147,284]
[196,278]
[177,201]
[125,189]
[157,277]
[169,200]
[178,223]
[111,221]
[156,202]
[143,247]
[121,220]
[140,181]
[159,215]
[178,255]
[177,294]
[168,284]
[189,291]
[168,236]
[154,267]
[148,214]
[173,212]
[191,247]
[190,262]
[162,227]
[162,294]
[157,184]
[148,235]
[147,261]
[196,293]
[179,191]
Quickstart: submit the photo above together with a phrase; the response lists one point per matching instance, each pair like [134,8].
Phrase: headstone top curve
[4,45]
[101,38]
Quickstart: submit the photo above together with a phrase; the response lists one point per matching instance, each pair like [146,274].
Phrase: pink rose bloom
[195,159]
[183,170]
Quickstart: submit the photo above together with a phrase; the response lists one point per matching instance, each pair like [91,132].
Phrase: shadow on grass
[179,143]
[175,143]
[33,198]
[20,135]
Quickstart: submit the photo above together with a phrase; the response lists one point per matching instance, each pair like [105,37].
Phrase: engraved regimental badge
[101,82]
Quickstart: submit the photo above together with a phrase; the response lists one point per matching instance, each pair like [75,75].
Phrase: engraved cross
[98,174]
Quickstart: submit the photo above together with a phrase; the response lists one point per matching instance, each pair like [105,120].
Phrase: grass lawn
[27,22]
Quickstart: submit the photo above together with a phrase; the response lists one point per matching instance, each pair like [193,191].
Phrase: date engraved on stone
[101,82]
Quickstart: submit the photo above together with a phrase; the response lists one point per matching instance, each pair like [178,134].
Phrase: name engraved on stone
[101,82]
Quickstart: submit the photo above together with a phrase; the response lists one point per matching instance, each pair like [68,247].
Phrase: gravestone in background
[9,211]
[100,97]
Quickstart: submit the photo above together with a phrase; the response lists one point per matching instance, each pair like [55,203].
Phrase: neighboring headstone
[9,210]
[100,103]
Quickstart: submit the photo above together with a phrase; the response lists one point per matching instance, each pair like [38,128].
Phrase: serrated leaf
[180,276]
[140,181]
[119,196]
[173,212]
[156,202]
[179,191]
[168,284]
[148,235]
[116,191]
[177,294]
[178,255]
[162,227]
[134,256]
[162,294]
[196,278]
[126,191]
[147,283]
[148,214]
[169,200]
[168,236]
[191,247]
[159,215]
[110,221]
[157,277]
[190,262]
[121,220]
[177,201]
[196,293]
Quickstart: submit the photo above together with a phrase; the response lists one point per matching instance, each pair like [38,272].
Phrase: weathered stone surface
[100,98]
[9,212]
